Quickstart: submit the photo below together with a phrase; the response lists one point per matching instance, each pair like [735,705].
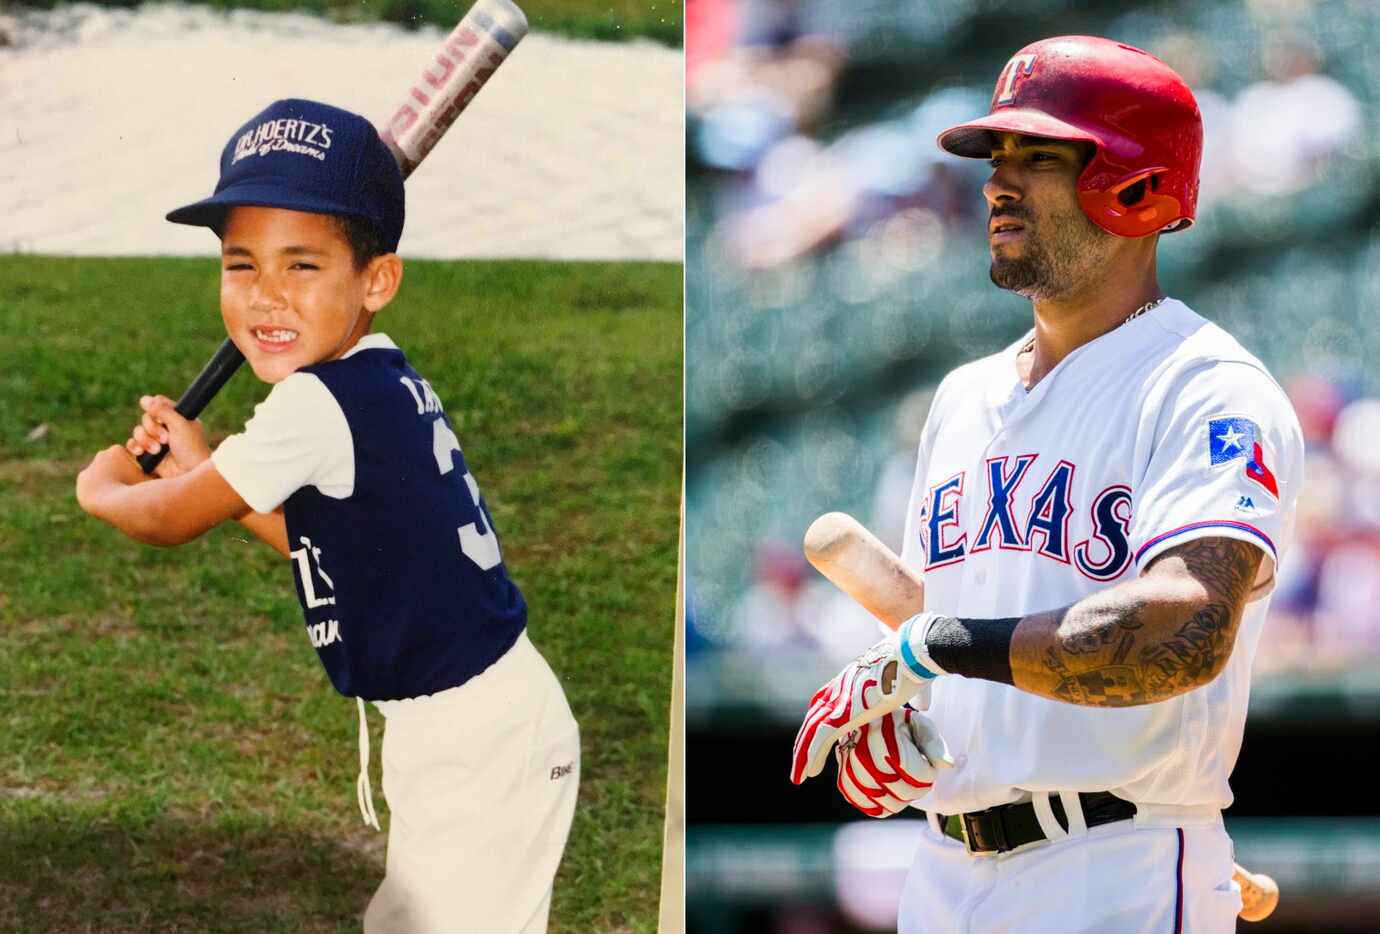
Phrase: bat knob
[1259,895]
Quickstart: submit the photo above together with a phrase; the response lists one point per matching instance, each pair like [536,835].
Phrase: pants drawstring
[362,789]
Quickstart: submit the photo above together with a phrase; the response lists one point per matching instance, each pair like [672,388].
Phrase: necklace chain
[1148,306]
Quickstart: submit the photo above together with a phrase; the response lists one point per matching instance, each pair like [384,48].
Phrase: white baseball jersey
[1160,431]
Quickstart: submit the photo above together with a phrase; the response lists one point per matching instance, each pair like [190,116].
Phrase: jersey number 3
[477,539]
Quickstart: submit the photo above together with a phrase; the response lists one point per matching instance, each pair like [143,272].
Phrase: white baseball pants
[1112,879]
[481,783]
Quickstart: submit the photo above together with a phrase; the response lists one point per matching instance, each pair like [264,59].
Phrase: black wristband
[975,648]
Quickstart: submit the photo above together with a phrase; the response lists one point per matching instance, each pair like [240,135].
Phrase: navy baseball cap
[307,156]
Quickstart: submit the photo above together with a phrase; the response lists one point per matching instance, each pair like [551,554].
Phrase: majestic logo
[1232,438]
[283,135]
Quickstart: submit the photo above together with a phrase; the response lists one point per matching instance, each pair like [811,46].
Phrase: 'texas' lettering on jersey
[1024,522]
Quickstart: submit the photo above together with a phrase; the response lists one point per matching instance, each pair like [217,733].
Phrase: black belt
[1005,827]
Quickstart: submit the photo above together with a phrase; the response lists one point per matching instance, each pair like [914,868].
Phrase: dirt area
[110,118]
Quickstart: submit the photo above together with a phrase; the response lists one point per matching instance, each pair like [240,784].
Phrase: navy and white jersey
[396,559]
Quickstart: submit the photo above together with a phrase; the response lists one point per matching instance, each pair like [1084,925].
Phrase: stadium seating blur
[836,269]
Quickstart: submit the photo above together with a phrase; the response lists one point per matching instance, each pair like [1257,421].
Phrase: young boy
[352,470]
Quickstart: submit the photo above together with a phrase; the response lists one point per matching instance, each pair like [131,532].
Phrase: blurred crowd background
[837,268]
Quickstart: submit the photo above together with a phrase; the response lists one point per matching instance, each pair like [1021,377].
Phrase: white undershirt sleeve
[1227,462]
[297,437]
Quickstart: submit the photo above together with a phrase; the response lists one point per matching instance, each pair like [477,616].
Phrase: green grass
[659,20]
[173,756]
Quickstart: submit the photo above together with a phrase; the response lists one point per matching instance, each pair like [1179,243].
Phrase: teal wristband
[908,658]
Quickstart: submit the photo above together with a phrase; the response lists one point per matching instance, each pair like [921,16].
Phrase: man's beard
[1055,263]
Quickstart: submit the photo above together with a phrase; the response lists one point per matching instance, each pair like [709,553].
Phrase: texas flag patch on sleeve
[1232,437]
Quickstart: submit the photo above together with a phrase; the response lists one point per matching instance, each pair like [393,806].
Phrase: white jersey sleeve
[1226,462]
[297,437]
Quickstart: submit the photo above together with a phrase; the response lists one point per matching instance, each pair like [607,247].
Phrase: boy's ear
[384,274]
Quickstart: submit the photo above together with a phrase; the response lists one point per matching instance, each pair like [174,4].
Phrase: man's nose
[1002,187]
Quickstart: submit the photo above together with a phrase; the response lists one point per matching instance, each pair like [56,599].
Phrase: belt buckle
[968,836]
[998,830]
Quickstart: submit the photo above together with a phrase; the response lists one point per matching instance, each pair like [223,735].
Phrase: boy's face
[289,290]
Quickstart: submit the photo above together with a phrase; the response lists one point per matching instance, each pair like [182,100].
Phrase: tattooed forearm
[1224,566]
[1190,656]
[1091,688]
[1146,640]
[1123,648]
[1088,632]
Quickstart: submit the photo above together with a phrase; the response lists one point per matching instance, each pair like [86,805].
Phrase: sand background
[109,118]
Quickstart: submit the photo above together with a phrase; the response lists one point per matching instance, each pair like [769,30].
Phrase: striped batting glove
[887,765]
[876,682]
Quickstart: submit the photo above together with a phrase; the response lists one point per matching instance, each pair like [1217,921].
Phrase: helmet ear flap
[1139,190]
[1129,196]
[1133,189]
[1132,205]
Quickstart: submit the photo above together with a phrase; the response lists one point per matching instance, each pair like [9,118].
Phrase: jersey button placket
[974,569]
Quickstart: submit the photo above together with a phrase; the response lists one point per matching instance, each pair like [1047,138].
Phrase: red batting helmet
[1139,114]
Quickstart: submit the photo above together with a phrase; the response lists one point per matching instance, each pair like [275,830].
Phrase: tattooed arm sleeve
[1164,633]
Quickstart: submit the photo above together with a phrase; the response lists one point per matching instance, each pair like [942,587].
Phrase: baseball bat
[213,375]
[862,566]
[461,66]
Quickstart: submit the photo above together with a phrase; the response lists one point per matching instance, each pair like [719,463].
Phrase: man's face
[1043,246]
[289,290]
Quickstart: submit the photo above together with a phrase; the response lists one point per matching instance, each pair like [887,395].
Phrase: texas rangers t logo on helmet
[1018,67]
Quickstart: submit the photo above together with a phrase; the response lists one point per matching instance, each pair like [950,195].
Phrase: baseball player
[351,469]
[1097,514]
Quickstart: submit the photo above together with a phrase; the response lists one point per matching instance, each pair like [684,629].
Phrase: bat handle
[1259,894]
[203,389]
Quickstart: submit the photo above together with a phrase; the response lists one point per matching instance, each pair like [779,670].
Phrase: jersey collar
[370,342]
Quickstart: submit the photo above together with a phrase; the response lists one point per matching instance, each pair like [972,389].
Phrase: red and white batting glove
[874,684]
[888,764]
